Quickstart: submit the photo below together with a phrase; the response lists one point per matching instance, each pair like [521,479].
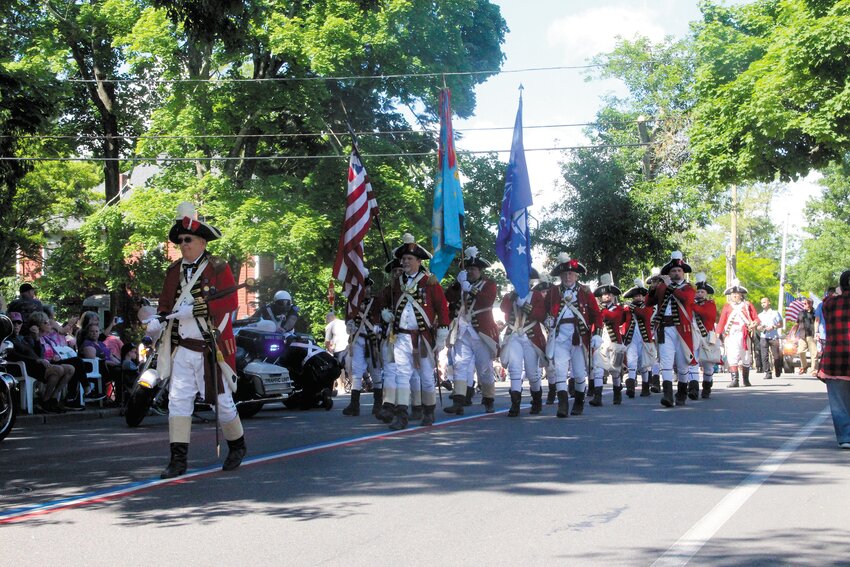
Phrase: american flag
[361,206]
[793,306]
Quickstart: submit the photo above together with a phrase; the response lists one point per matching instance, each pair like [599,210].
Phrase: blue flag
[513,242]
[447,220]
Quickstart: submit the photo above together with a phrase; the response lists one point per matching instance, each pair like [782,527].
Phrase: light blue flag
[447,220]
[513,241]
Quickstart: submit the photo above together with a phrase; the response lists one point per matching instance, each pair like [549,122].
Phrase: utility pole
[781,303]
[732,251]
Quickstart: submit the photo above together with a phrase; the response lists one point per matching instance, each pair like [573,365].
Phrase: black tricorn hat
[676,261]
[606,285]
[567,264]
[392,265]
[637,290]
[187,223]
[701,283]
[736,287]
[409,246]
[471,259]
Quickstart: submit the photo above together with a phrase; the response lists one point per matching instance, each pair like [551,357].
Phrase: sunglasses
[184,240]
[17,322]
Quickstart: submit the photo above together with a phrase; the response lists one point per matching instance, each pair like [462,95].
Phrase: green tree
[758,275]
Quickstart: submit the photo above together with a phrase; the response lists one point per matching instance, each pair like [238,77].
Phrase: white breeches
[410,378]
[523,359]
[187,380]
[360,365]
[671,352]
[635,358]
[736,355]
[569,361]
[472,357]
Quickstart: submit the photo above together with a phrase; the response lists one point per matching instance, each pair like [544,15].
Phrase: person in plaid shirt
[834,369]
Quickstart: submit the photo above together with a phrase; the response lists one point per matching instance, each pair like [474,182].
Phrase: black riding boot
[354,405]
[734,382]
[386,413]
[469,393]
[630,387]
[457,405]
[417,413]
[550,396]
[571,387]
[177,464]
[428,415]
[745,374]
[644,390]
[597,397]
[377,400]
[667,397]
[516,399]
[693,389]
[236,451]
[489,405]
[618,395]
[536,402]
[706,389]
[563,404]
[400,418]
[681,393]
[655,384]
[578,404]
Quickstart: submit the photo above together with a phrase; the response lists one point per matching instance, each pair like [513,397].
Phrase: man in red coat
[419,315]
[524,346]
[364,352]
[705,339]
[737,319]
[573,317]
[474,334]
[612,352]
[639,339]
[196,332]
[674,319]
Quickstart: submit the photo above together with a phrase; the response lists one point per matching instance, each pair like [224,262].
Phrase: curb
[85,415]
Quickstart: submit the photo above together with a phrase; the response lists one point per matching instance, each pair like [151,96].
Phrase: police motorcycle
[8,385]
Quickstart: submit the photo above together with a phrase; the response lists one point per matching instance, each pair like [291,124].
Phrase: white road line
[681,552]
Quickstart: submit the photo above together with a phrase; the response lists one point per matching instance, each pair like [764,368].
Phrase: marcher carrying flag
[361,206]
[513,242]
[447,220]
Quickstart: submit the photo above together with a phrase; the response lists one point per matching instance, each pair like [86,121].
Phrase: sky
[547,33]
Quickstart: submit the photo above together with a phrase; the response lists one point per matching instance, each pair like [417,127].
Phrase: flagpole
[782,270]
[356,149]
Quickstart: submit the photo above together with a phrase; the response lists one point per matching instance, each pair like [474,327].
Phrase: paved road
[753,476]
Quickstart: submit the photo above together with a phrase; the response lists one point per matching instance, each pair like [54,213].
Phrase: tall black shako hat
[187,223]
[702,283]
[606,285]
[638,290]
[409,246]
[736,287]
[567,264]
[471,259]
[676,261]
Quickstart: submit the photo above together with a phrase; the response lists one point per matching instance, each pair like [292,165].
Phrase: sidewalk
[91,412]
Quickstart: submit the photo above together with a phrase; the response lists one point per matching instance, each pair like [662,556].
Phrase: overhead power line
[311,157]
[339,78]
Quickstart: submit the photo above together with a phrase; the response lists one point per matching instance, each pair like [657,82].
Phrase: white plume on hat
[676,255]
[563,258]
[701,277]
[408,238]
[186,209]
[638,282]
[735,283]
[471,252]
[656,271]
[605,279]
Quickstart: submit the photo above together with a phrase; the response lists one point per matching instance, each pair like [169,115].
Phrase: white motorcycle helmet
[282,296]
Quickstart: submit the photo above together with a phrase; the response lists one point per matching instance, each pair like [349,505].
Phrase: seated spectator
[25,303]
[93,347]
[109,337]
[53,378]
[59,333]
[63,355]
[86,319]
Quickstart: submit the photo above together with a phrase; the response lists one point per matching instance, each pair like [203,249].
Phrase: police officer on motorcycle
[281,310]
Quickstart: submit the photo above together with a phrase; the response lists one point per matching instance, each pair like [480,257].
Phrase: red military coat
[427,293]
[685,294]
[586,305]
[215,277]
[749,313]
[479,306]
[370,310]
[637,320]
[707,313]
[613,317]
[533,321]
